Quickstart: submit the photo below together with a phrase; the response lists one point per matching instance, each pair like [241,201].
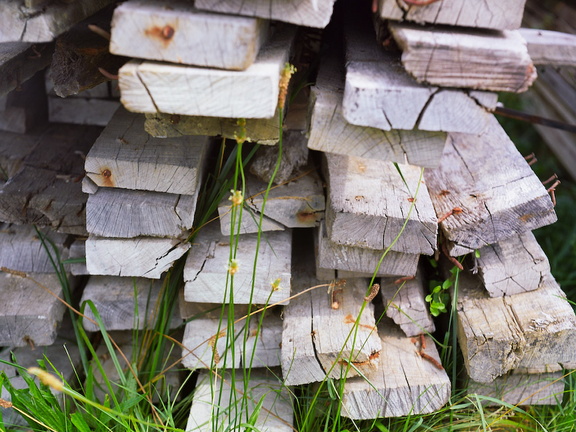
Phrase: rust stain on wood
[164,34]
[107,179]
[307,217]
[349,319]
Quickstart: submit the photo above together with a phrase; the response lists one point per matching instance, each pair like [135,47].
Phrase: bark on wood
[308,13]
[549,47]
[29,25]
[97,112]
[373,204]
[217,401]
[182,34]
[490,14]
[405,384]
[330,132]
[20,61]
[484,60]
[405,304]
[208,264]
[509,201]
[123,303]
[124,156]
[512,266]
[379,93]
[141,256]
[534,330]
[151,87]
[25,108]
[330,255]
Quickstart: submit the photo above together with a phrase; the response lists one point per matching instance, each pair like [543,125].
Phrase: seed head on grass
[233,267]
[276,284]
[47,378]
[5,404]
[237,198]
[285,76]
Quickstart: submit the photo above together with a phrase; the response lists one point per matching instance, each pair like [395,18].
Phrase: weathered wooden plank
[405,384]
[379,92]
[20,61]
[354,259]
[512,266]
[485,60]
[113,212]
[490,14]
[489,208]
[123,303]
[77,252]
[96,112]
[534,330]
[405,304]
[147,257]
[182,34]
[151,87]
[549,47]
[308,13]
[330,132]
[373,204]
[24,108]
[211,342]
[261,131]
[206,273]
[124,156]
[228,400]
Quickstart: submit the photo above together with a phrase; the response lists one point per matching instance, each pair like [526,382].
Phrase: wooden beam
[479,209]
[20,61]
[549,47]
[182,34]
[469,58]
[78,254]
[26,108]
[97,112]
[373,204]
[124,156]
[150,87]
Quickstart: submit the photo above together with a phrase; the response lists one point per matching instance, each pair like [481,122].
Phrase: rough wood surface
[123,303]
[308,13]
[330,255]
[261,131]
[404,302]
[77,253]
[369,201]
[141,256]
[96,112]
[227,400]
[534,330]
[330,132]
[485,60]
[379,92]
[206,270]
[405,383]
[491,14]
[20,61]
[182,34]
[43,25]
[210,342]
[512,266]
[549,47]
[25,108]
[151,87]
[496,190]
[113,212]
[124,156]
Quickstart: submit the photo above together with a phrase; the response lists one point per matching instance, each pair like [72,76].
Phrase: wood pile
[325,275]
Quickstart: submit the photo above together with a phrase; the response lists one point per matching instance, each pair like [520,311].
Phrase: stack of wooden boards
[412,159]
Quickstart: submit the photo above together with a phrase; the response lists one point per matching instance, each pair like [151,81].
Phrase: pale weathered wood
[492,14]
[496,190]
[330,132]
[20,61]
[77,254]
[484,60]
[96,112]
[45,24]
[309,13]
[379,93]
[151,87]
[261,131]
[549,47]
[404,302]
[124,156]
[147,257]
[378,204]
[180,33]
[534,330]
[206,271]
[114,212]
[404,384]
[24,108]
[354,259]
[512,266]
[211,342]
[520,389]
[227,401]
[123,303]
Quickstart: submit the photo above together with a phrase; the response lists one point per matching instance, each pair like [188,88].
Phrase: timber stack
[392,156]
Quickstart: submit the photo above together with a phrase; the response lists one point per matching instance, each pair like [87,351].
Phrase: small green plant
[439,296]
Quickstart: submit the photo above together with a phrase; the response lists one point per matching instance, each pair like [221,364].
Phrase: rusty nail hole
[167,32]
[106,173]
